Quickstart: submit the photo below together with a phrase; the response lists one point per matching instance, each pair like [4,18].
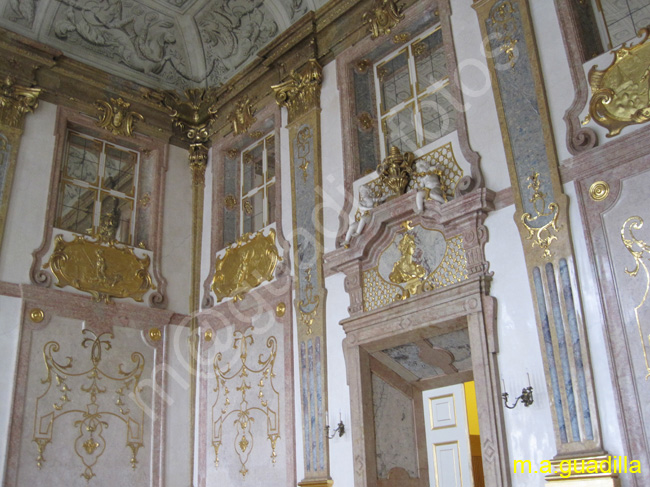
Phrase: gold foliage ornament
[241,118]
[94,398]
[246,264]
[16,101]
[542,236]
[233,384]
[301,92]
[116,117]
[101,267]
[620,93]
[383,17]
[638,249]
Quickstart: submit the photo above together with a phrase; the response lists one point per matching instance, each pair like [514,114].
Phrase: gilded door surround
[155,152]
[420,15]
[624,158]
[300,94]
[463,305]
[16,101]
[60,306]
[541,214]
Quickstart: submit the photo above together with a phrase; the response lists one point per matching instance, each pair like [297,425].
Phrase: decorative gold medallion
[384,16]
[230,202]
[104,269]
[246,264]
[599,191]
[280,310]
[620,92]
[155,334]
[116,117]
[208,335]
[36,315]
[362,66]
[365,121]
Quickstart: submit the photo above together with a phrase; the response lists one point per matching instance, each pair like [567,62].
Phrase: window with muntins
[98,187]
[413,99]
[620,20]
[257,197]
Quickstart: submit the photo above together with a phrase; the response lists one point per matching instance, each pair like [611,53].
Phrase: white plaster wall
[529,431]
[28,203]
[9,333]
[332,156]
[591,307]
[555,70]
[341,455]
[177,230]
[480,109]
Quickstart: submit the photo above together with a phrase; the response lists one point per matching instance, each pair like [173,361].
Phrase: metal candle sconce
[340,429]
[526,396]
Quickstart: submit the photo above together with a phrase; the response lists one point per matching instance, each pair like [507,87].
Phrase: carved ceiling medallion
[620,91]
[106,270]
[246,264]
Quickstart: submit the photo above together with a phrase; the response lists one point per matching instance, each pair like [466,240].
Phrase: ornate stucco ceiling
[168,44]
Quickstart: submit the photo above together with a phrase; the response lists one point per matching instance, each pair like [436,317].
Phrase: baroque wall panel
[87,384]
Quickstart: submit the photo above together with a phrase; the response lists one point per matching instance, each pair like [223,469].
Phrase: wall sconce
[340,429]
[526,396]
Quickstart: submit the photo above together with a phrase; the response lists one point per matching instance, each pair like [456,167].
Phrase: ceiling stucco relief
[167,44]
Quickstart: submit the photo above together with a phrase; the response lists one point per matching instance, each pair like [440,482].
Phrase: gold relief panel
[245,265]
[241,118]
[383,17]
[116,117]
[106,270]
[417,260]
[620,91]
[94,397]
[542,236]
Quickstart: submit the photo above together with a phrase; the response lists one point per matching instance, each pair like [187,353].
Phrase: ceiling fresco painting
[163,44]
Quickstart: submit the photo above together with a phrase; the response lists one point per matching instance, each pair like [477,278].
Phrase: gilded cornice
[15,101]
[301,92]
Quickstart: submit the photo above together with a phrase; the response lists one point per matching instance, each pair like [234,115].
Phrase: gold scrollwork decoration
[544,235]
[16,101]
[106,270]
[308,306]
[599,191]
[96,400]
[301,92]
[245,265]
[383,17]
[241,118]
[503,22]
[116,117]
[638,249]
[620,91]
[304,142]
[243,408]
[405,270]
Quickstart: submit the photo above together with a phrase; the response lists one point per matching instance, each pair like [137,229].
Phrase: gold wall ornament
[405,270]
[308,306]
[95,398]
[37,315]
[304,146]
[246,264]
[366,121]
[599,191]
[383,17]
[236,404]
[208,335]
[115,116]
[280,310]
[256,134]
[620,91]
[155,334]
[362,66]
[106,270]
[16,101]
[638,249]
[503,22]
[401,38]
[241,118]
[145,201]
[544,235]
[395,171]
[230,202]
[198,159]
[301,92]
[248,207]
[232,153]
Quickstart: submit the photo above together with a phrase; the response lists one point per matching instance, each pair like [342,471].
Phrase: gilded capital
[16,101]
[301,92]
[114,115]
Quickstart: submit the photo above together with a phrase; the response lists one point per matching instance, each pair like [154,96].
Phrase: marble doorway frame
[464,305]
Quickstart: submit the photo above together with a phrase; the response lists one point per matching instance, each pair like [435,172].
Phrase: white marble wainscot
[87,404]
[246,418]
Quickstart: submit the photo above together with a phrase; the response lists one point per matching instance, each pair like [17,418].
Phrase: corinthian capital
[15,102]
[301,92]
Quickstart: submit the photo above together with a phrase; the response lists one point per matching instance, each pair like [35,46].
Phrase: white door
[450,461]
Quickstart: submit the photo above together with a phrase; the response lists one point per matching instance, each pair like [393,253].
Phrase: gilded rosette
[106,271]
[246,264]
[620,91]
